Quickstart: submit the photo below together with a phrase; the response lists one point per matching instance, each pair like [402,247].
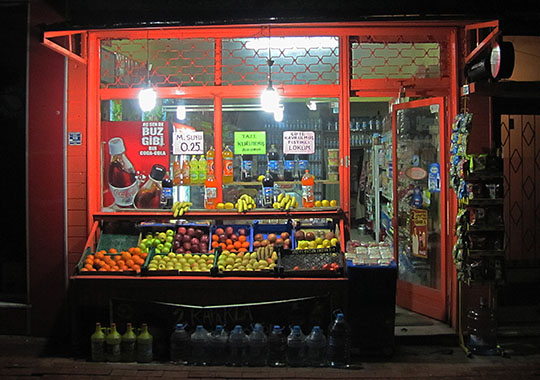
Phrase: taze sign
[298,142]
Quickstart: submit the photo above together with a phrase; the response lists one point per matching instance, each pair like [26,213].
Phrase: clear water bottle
[180,345]
[258,346]
[238,347]
[338,351]
[296,342]
[217,344]
[316,347]
[277,347]
[482,328]
[199,346]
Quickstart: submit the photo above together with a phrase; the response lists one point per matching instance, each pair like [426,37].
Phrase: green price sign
[246,142]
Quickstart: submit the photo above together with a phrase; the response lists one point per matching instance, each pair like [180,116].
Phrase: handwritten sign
[188,142]
[246,142]
[298,142]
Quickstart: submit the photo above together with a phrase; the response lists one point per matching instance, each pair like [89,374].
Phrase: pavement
[418,358]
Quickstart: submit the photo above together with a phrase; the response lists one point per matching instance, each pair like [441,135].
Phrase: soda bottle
[185,178]
[288,167]
[210,192]
[202,169]
[199,346]
[296,347]
[210,161]
[303,163]
[246,171]
[258,346]
[127,345]
[482,328]
[238,347]
[180,345]
[194,170]
[123,182]
[277,347]
[97,344]
[149,195]
[167,193]
[112,341]
[177,171]
[217,343]
[338,350]
[316,347]
[228,169]
[308,196]
[273,162]
[268,190]
[144,351]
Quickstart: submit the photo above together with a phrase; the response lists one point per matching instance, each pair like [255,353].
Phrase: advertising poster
[130,150]
[419,232]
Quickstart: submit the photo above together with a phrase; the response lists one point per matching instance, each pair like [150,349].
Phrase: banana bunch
[264,253]
[180,208]
[285,202]
[245,203]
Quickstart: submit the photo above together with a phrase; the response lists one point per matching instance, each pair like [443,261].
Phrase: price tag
[298,142]
[249,142]
[188,142]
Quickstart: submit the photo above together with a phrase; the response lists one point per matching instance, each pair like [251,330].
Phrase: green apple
[169,239]
[169,232]
[162,236]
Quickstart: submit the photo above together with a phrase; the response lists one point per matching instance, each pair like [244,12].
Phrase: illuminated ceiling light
[147,99]
[181,112]
[278,114]
[312,105]
[269,97]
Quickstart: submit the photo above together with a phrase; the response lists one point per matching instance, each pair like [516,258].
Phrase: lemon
[220,206]
[260,178]
[325,203]
[317,204]
[229,206]
[333,203]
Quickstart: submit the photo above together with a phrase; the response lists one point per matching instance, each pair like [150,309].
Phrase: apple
[190,231]
[179,250]
[169,239]
[229,230]
[219,231]
[181,230]
[178,237]
[169,232]
[187,246]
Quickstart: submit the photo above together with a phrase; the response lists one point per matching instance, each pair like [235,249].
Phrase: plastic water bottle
[338,352]
[217,342]
[316,347]
[180,345]
[482,328]
[128,344]
[277,347]
[199,346]
[238,347]
[296,347]
[258,346]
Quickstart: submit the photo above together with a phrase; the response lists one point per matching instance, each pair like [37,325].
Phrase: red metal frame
[422,299]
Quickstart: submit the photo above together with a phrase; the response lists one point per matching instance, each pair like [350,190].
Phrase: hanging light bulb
[181,112]
[278,113]
[147,99]
[270,99]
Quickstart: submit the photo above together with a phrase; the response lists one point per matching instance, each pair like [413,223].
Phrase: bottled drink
[112,341]
[127,346]
[247,168]
[185,178]
[144,345]
[238,347]
[199,346]
[218,346]
[308,196]
[268,190]
[149,195]
[338,352]
[210,161]
[273,162]
[277,347]
[166,193]
[316,347]
[228,170]
[258,346]
[296,347]
[210,192]
[180,345]
[482,328]
[202,169]
[123,182]
[288,167]
[194,170]
[303,163]
[177,171]
[97,344]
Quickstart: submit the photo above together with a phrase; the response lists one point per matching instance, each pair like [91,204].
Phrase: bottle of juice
[210,161]
[149,195]
[210,192]
[308,197]
[185,178]
[177,171]
[202,169]
[194,170]
[227,165]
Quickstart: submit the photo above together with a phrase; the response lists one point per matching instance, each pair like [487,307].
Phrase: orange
[245,244]
[242,238]
[215,244]
[120,263]
[237,244]
[136,251]
[228,241]
[215,238]
[230,247]
[99,255]
[84,270]
[242,249]
[130,263]
[137,268]
[126,255]
[223,245]
[113,250]
[88,266]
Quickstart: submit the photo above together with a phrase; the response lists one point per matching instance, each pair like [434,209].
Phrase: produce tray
[235,227]
[311,262]
[216,271]
[266,229]
[319,231]
[157,228]
[120,242]
[179,271]
[88,252]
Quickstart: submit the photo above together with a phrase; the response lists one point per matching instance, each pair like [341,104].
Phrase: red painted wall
[45,186]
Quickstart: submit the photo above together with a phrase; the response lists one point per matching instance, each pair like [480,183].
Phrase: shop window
[297,60]
[172,62]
